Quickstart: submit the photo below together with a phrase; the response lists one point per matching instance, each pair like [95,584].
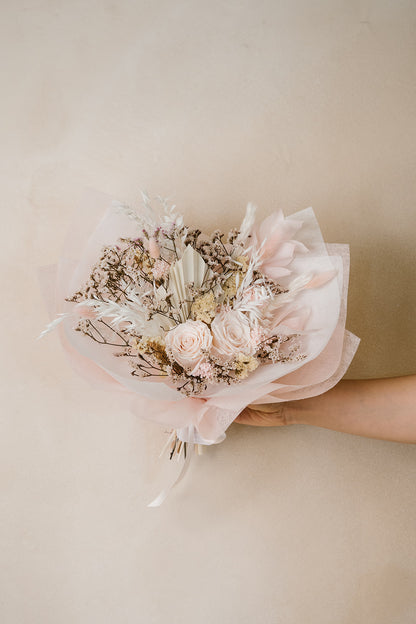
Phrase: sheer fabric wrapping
[329,348]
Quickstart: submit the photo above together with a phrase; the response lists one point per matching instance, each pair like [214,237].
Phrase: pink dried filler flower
[199,326]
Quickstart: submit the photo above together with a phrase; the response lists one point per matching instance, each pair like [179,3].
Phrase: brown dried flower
[203,308]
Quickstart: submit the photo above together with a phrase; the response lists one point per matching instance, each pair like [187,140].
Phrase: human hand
[275,415]
[375,408]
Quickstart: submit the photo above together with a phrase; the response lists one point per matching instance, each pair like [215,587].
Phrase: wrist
[297,412]
[289,414]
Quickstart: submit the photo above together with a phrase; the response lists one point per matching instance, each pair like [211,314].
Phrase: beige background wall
[287,104]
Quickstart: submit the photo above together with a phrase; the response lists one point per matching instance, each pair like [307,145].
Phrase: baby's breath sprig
[148,285]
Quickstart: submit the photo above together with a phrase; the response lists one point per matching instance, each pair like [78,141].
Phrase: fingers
[257,418]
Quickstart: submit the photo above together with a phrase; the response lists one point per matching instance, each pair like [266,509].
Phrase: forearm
[374,408]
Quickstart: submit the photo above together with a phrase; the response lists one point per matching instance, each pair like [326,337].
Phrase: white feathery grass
[254,262]
[244,301]
[131,315]
[170,216]
[300,282]
[53,324]
[120,208]
[254,307]
[247,223]
[265,301]
[130,312]
[150,217]
[296,286]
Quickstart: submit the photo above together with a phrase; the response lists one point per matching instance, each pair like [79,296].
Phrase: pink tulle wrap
[320,313]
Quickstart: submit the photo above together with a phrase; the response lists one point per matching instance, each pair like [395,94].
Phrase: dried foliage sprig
[190,308]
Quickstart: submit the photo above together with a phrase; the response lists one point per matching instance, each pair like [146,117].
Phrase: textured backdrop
[287,104]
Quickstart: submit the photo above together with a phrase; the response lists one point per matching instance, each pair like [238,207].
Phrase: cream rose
[231,334]
[188,342]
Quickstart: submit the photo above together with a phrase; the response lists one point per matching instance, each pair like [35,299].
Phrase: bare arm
[374,408]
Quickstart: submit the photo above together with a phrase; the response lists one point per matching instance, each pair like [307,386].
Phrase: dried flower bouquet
[198,326]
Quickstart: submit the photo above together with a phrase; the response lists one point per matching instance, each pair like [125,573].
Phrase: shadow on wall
[381,308]
[385,596]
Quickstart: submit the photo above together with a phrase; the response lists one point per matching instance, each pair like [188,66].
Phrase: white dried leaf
[53,324]
[247,223]
[190,269]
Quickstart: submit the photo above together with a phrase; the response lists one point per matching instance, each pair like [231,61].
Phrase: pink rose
[231,334]
[276,233]
[188,343]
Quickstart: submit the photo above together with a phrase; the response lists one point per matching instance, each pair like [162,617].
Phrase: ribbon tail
[156,502]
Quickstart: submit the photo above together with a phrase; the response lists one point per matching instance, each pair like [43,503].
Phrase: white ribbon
[191,443]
